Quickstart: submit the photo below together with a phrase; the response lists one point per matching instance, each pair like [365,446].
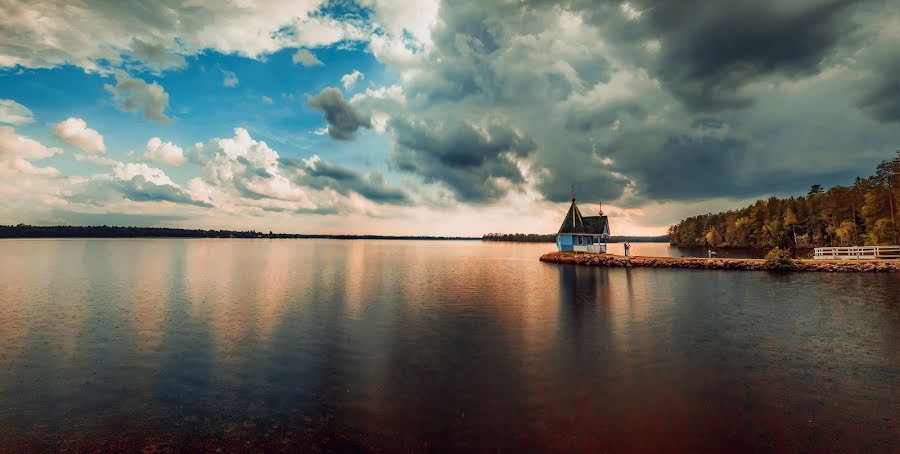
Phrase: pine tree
[866,212]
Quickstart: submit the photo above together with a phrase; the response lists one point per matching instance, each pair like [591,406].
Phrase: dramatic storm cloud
[469,111]
[316,173]
[649,101]
[469,159]
[709,51]
[343,119]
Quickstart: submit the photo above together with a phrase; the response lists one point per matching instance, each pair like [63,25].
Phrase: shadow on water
[584,302]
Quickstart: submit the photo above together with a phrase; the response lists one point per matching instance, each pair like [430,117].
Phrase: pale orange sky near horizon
[458,221]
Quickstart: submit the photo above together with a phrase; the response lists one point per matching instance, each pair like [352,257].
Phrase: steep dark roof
[576,223]
[595,224]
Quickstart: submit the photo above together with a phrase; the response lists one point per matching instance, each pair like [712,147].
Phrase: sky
[435,117]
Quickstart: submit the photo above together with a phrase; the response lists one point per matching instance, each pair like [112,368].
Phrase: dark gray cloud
[711,49]
[635,124]
[491,53]
[649,101]
[138,189]
[97,192]
[141,190]
[322,211]
[586,118]
[683,167]
[881,92]
[342,118]
[460,156]
[630,102]
[135,95]
[321,175]
[242,187]
[590,183]
[156,56]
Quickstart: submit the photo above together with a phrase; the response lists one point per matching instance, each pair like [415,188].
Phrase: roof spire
[573,192]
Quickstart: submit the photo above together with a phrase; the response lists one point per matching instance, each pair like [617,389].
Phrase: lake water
[437,346]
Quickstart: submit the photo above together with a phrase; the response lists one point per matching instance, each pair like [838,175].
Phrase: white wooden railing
[857,253]
[591,248]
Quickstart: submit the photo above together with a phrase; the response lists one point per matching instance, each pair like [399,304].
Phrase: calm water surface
[418,345]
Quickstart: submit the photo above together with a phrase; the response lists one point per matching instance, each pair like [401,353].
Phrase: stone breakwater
[718,264]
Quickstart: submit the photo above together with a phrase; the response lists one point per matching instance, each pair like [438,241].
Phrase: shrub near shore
[779,260]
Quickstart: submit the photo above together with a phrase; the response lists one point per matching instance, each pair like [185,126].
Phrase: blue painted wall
[564,242]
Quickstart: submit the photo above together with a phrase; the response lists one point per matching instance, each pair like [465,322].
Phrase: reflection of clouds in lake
[280,279]
[150,276]
[440,340]
[36,275]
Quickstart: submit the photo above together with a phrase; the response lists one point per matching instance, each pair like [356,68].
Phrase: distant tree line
[864,214]
[520,237]
[551,238]
[106,231]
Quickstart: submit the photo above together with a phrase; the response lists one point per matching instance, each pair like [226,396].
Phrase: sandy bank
[718,264]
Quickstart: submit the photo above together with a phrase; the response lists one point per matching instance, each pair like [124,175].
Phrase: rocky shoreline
[611,260]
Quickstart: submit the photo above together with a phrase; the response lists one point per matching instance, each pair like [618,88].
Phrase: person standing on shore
[627,247]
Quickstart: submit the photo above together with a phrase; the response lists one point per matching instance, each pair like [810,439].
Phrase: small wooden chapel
[582,233]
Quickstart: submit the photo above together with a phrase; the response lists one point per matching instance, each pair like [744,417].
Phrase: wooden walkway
[857,253]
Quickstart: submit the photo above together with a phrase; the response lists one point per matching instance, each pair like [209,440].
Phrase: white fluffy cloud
[164,152]
[127,171]
[248,169]
[241,176]
[17,153]
[380,101]
[349,80]
[241,173]
[74,131]
[396,16]
[14,113]
[52,33]
[129,188]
